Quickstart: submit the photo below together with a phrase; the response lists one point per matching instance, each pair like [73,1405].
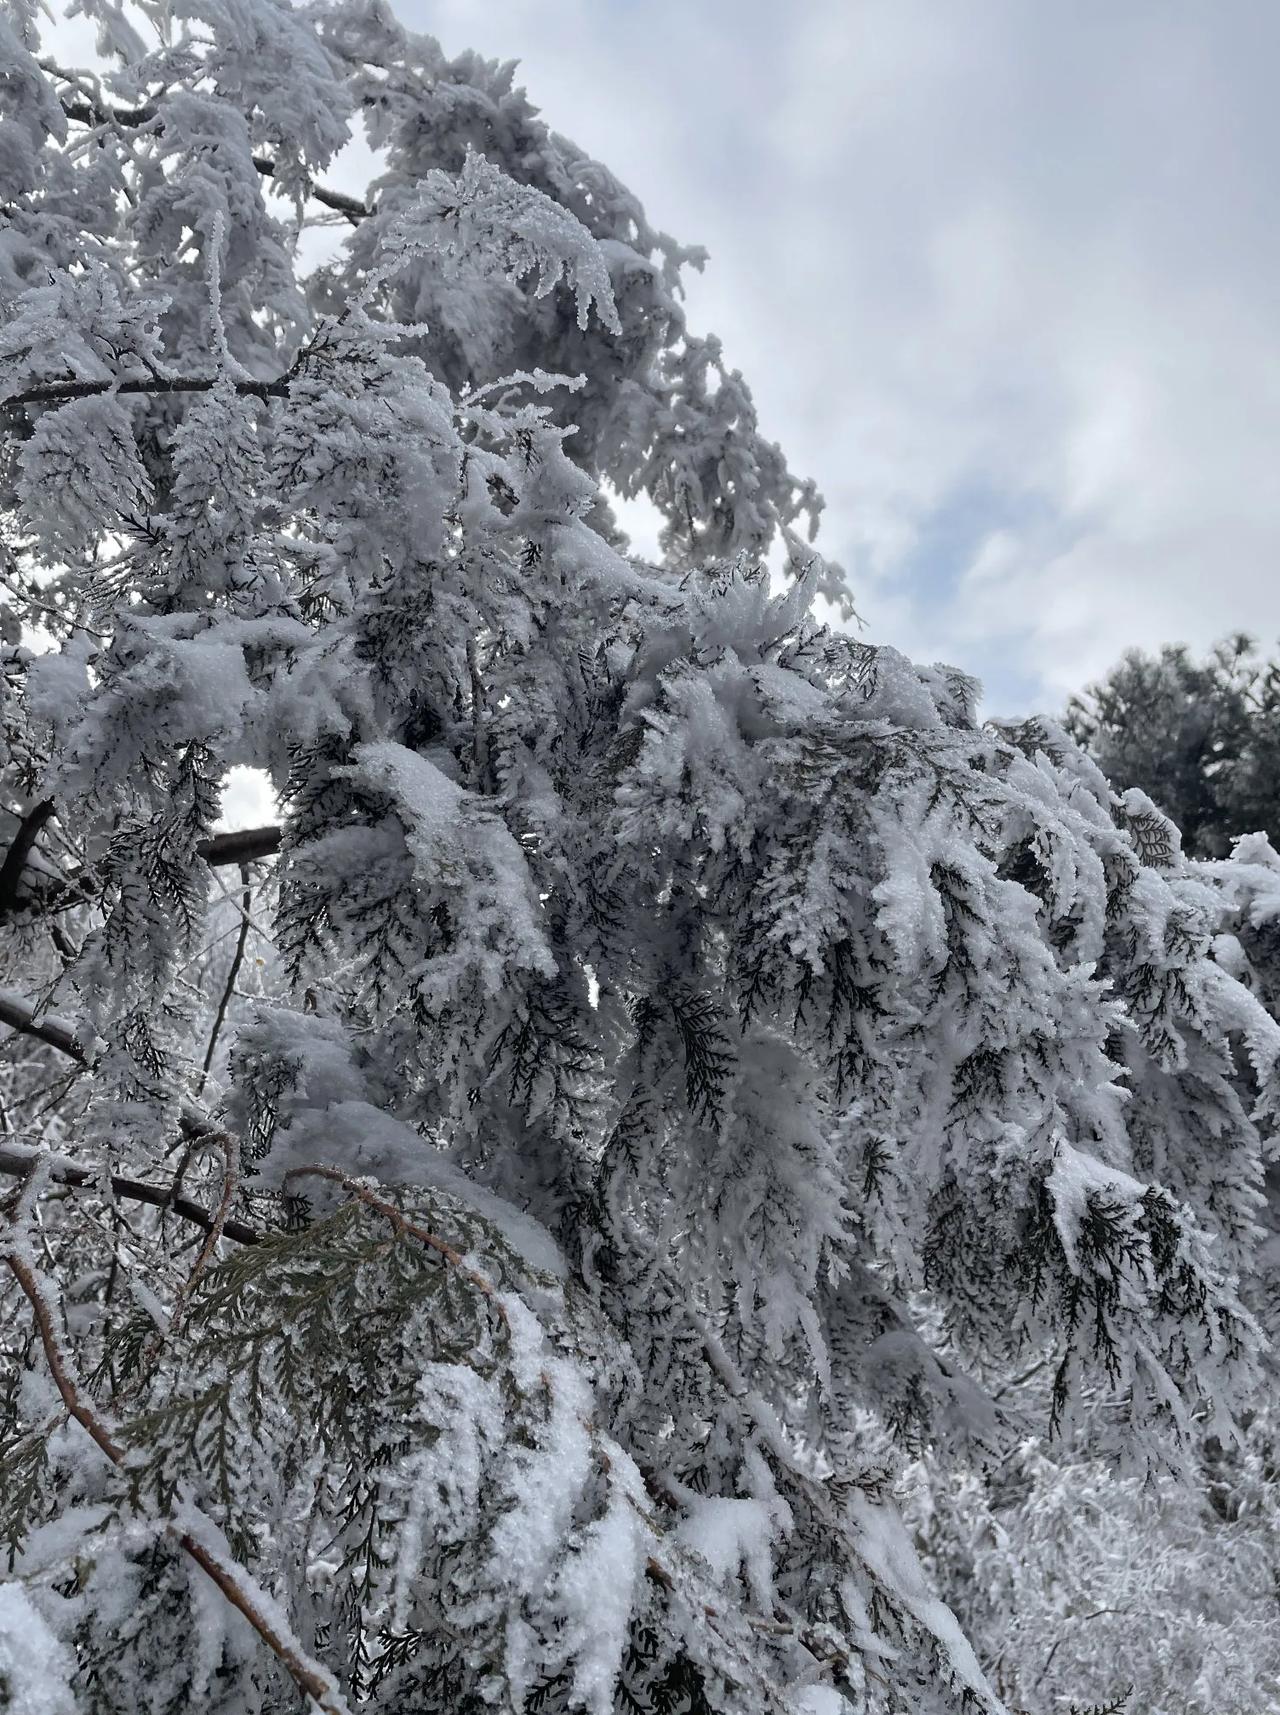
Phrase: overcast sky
[1002,274]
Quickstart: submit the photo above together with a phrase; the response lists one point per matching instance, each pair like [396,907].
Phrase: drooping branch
[402,1224]
[85,112]
[16,1161]
[199,1539]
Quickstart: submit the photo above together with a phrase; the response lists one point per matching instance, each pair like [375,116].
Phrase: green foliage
[1200,737]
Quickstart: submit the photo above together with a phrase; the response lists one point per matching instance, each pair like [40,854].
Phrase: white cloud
[1026,253]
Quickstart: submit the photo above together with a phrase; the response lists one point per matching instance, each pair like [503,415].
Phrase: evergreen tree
[1202,738]
[667,1061]
[1070,1579]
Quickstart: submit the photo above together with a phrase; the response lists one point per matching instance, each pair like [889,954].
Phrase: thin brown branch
[217,1227]
[231,1578]
[402,1225]
[479,738]
[87,1418]
[15,1161]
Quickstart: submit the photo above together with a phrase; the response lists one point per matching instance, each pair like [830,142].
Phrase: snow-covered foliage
[1071,1579]
[1201,737]
[669,1060]
[1075,1581]
[1247,946]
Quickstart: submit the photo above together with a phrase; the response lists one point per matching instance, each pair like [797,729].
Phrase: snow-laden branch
[84,112]
[194,1533]
[406,1227]
[18,1015]
[60,392]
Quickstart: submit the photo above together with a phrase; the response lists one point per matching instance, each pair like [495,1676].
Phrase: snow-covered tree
[1069,1578]
[1201,737]
[1073,1581]
[666,1062]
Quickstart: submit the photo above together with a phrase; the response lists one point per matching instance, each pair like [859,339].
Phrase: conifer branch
[403,1225]
[231,1578]
[770,975]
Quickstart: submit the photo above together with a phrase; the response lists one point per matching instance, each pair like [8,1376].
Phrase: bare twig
[15,860]
[237,959]
[15,1161]
[227,896]
[1096,1615]
[479,738]
[230,1577]
[56,1092]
